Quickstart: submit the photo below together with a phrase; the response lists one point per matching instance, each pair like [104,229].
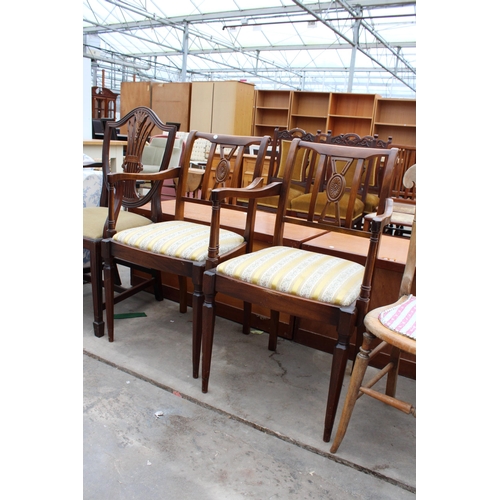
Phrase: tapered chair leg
[273,333]
[339,362]
[182,294]
[247,314]
[208,326]
[360,366]
[109,289]
[197,324]
[157,285]
[97,294]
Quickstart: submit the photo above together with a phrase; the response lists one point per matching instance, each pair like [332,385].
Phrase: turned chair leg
[392,375]
[360,366]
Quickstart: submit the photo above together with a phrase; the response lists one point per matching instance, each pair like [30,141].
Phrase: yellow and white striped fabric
[181,239]
[299,272]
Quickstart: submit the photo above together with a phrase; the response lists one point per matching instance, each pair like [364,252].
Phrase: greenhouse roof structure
[360,46]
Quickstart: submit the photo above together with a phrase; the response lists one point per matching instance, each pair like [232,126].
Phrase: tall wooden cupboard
[170,101]
[222,107]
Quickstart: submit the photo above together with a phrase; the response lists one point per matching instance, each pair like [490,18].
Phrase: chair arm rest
[383,219]
[252,191]
[114,177]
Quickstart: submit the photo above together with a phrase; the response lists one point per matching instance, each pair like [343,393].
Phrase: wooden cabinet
[222,107]
[134,94]
[351,113]
[200,116]
[170,101]
[396,118]
[272,109]
[309,111]
[103,103]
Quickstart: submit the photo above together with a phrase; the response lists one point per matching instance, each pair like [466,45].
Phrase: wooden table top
[98,142]
[235,220]
[391,254]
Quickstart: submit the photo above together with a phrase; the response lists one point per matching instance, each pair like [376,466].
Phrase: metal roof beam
[366,53]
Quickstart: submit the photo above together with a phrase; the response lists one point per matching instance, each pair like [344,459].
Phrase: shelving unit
[309,111]
[351,113]
[396,118]
[272,109]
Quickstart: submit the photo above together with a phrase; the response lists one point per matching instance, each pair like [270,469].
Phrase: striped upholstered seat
[298,272]
[176,238]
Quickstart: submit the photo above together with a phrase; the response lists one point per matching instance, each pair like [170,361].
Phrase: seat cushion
[298,165]
[94,219]
[371,203]
[272,201]
[402,318]
[298,272]
[181,239]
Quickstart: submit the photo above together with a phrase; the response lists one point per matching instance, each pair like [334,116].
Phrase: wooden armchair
[280,146]
[395,325]
[404,198]
[295,281]
[178,246]
[368,189]
[139,123]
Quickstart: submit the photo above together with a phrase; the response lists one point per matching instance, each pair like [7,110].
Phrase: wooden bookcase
[351,113]
[396,118]
[272,109]
[309,111]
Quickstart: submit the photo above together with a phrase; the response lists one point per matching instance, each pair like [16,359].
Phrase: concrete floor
[257,433]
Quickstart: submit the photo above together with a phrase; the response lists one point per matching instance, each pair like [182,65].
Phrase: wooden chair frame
[346,319]
[139,122]
[226,154]
[316,182]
